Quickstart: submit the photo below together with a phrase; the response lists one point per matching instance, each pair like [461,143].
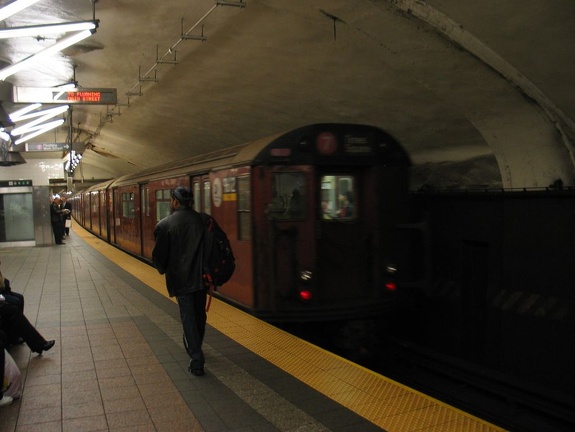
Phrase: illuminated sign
[30,147]
[84,96]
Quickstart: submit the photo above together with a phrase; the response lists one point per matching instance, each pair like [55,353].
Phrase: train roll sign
[83,96]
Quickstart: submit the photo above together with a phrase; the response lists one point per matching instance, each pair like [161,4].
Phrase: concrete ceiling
[480,94]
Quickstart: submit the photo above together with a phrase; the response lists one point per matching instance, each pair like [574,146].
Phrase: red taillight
[391,286]
[305,295]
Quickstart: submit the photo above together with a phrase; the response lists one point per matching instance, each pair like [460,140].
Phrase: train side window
[207,197]
[288,196]
[163,199]
[338,197]
[128,205]
[146,201]
[197,200]
[244,208]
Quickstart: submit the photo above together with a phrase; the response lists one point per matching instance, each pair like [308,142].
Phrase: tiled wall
[40,171]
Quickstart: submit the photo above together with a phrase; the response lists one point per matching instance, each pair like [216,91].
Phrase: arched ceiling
[480,94]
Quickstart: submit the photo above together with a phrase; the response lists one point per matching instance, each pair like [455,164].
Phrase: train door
[345,239]
[284,234]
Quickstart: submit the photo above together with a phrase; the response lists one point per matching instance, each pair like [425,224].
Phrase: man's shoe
[5,401]
[195,369]
[47,346]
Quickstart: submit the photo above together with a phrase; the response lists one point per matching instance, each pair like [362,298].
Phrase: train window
[288,196]
[146,201]
[197,201]
[128,205]
[207,197]
[337,197]
[163,199]
[244,208]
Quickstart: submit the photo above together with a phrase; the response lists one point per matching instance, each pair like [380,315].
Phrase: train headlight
[305,276]
[305,293]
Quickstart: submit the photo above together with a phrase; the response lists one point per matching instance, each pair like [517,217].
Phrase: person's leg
[15,323]
[199,303]
[4,400]
[192,334]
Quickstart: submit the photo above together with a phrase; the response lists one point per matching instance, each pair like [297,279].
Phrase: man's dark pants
[193,316]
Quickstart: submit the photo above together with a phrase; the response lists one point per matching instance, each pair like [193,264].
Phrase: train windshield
[288,196]
[337,197]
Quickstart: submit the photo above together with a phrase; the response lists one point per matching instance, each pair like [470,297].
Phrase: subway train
[311,215]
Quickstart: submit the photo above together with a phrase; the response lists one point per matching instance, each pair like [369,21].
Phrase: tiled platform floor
[119,364]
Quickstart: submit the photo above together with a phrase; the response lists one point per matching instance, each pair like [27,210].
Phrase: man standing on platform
[67,215]
[178,254]
[57,219]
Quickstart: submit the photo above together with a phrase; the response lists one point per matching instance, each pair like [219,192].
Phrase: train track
[495,397]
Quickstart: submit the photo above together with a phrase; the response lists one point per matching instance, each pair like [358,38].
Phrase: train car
[311,215]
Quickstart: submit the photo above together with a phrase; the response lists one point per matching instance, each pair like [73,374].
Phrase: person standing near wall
[56,217]
[67,215]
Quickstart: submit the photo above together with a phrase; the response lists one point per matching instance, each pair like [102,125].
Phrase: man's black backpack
[219,261]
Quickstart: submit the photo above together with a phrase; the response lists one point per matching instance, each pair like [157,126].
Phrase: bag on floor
[12,377]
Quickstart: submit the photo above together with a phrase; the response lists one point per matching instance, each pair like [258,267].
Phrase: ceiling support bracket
[147,78]
[239,3]
[187,36]
[162,61]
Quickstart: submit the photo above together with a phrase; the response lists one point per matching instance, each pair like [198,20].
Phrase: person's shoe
[195,369]
[5,401]
[47,346]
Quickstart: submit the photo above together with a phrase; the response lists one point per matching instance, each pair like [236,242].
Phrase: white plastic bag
[12,377]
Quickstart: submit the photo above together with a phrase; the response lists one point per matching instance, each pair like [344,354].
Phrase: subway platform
[119,362]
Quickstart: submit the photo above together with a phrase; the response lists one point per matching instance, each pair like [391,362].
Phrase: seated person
[15,324]
[4,400]
[9,295]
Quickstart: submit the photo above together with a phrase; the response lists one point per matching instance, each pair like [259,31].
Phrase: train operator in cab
[178,254]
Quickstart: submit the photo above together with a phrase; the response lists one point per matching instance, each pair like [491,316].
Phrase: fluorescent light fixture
[46,29]
[58,46]
[17,114]
[15,7]
[42,117]
[64,88]
[40,130]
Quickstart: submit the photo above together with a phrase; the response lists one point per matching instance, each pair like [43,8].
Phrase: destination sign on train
[84,96]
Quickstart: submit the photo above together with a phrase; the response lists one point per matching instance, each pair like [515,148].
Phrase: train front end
[327,201]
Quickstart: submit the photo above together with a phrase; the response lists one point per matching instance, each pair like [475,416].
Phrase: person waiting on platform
[57,213]
[15,324]
[67,215]
[9,295]
[4,400]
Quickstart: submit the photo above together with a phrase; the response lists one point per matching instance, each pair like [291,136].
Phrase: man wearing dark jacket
[178,254]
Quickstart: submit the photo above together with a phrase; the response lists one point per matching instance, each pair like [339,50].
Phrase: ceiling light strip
[46,29]
[15,7]
[44,115]
[46,127]
[16,115]
[58,46]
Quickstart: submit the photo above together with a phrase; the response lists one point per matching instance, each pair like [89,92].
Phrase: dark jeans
[193,316]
